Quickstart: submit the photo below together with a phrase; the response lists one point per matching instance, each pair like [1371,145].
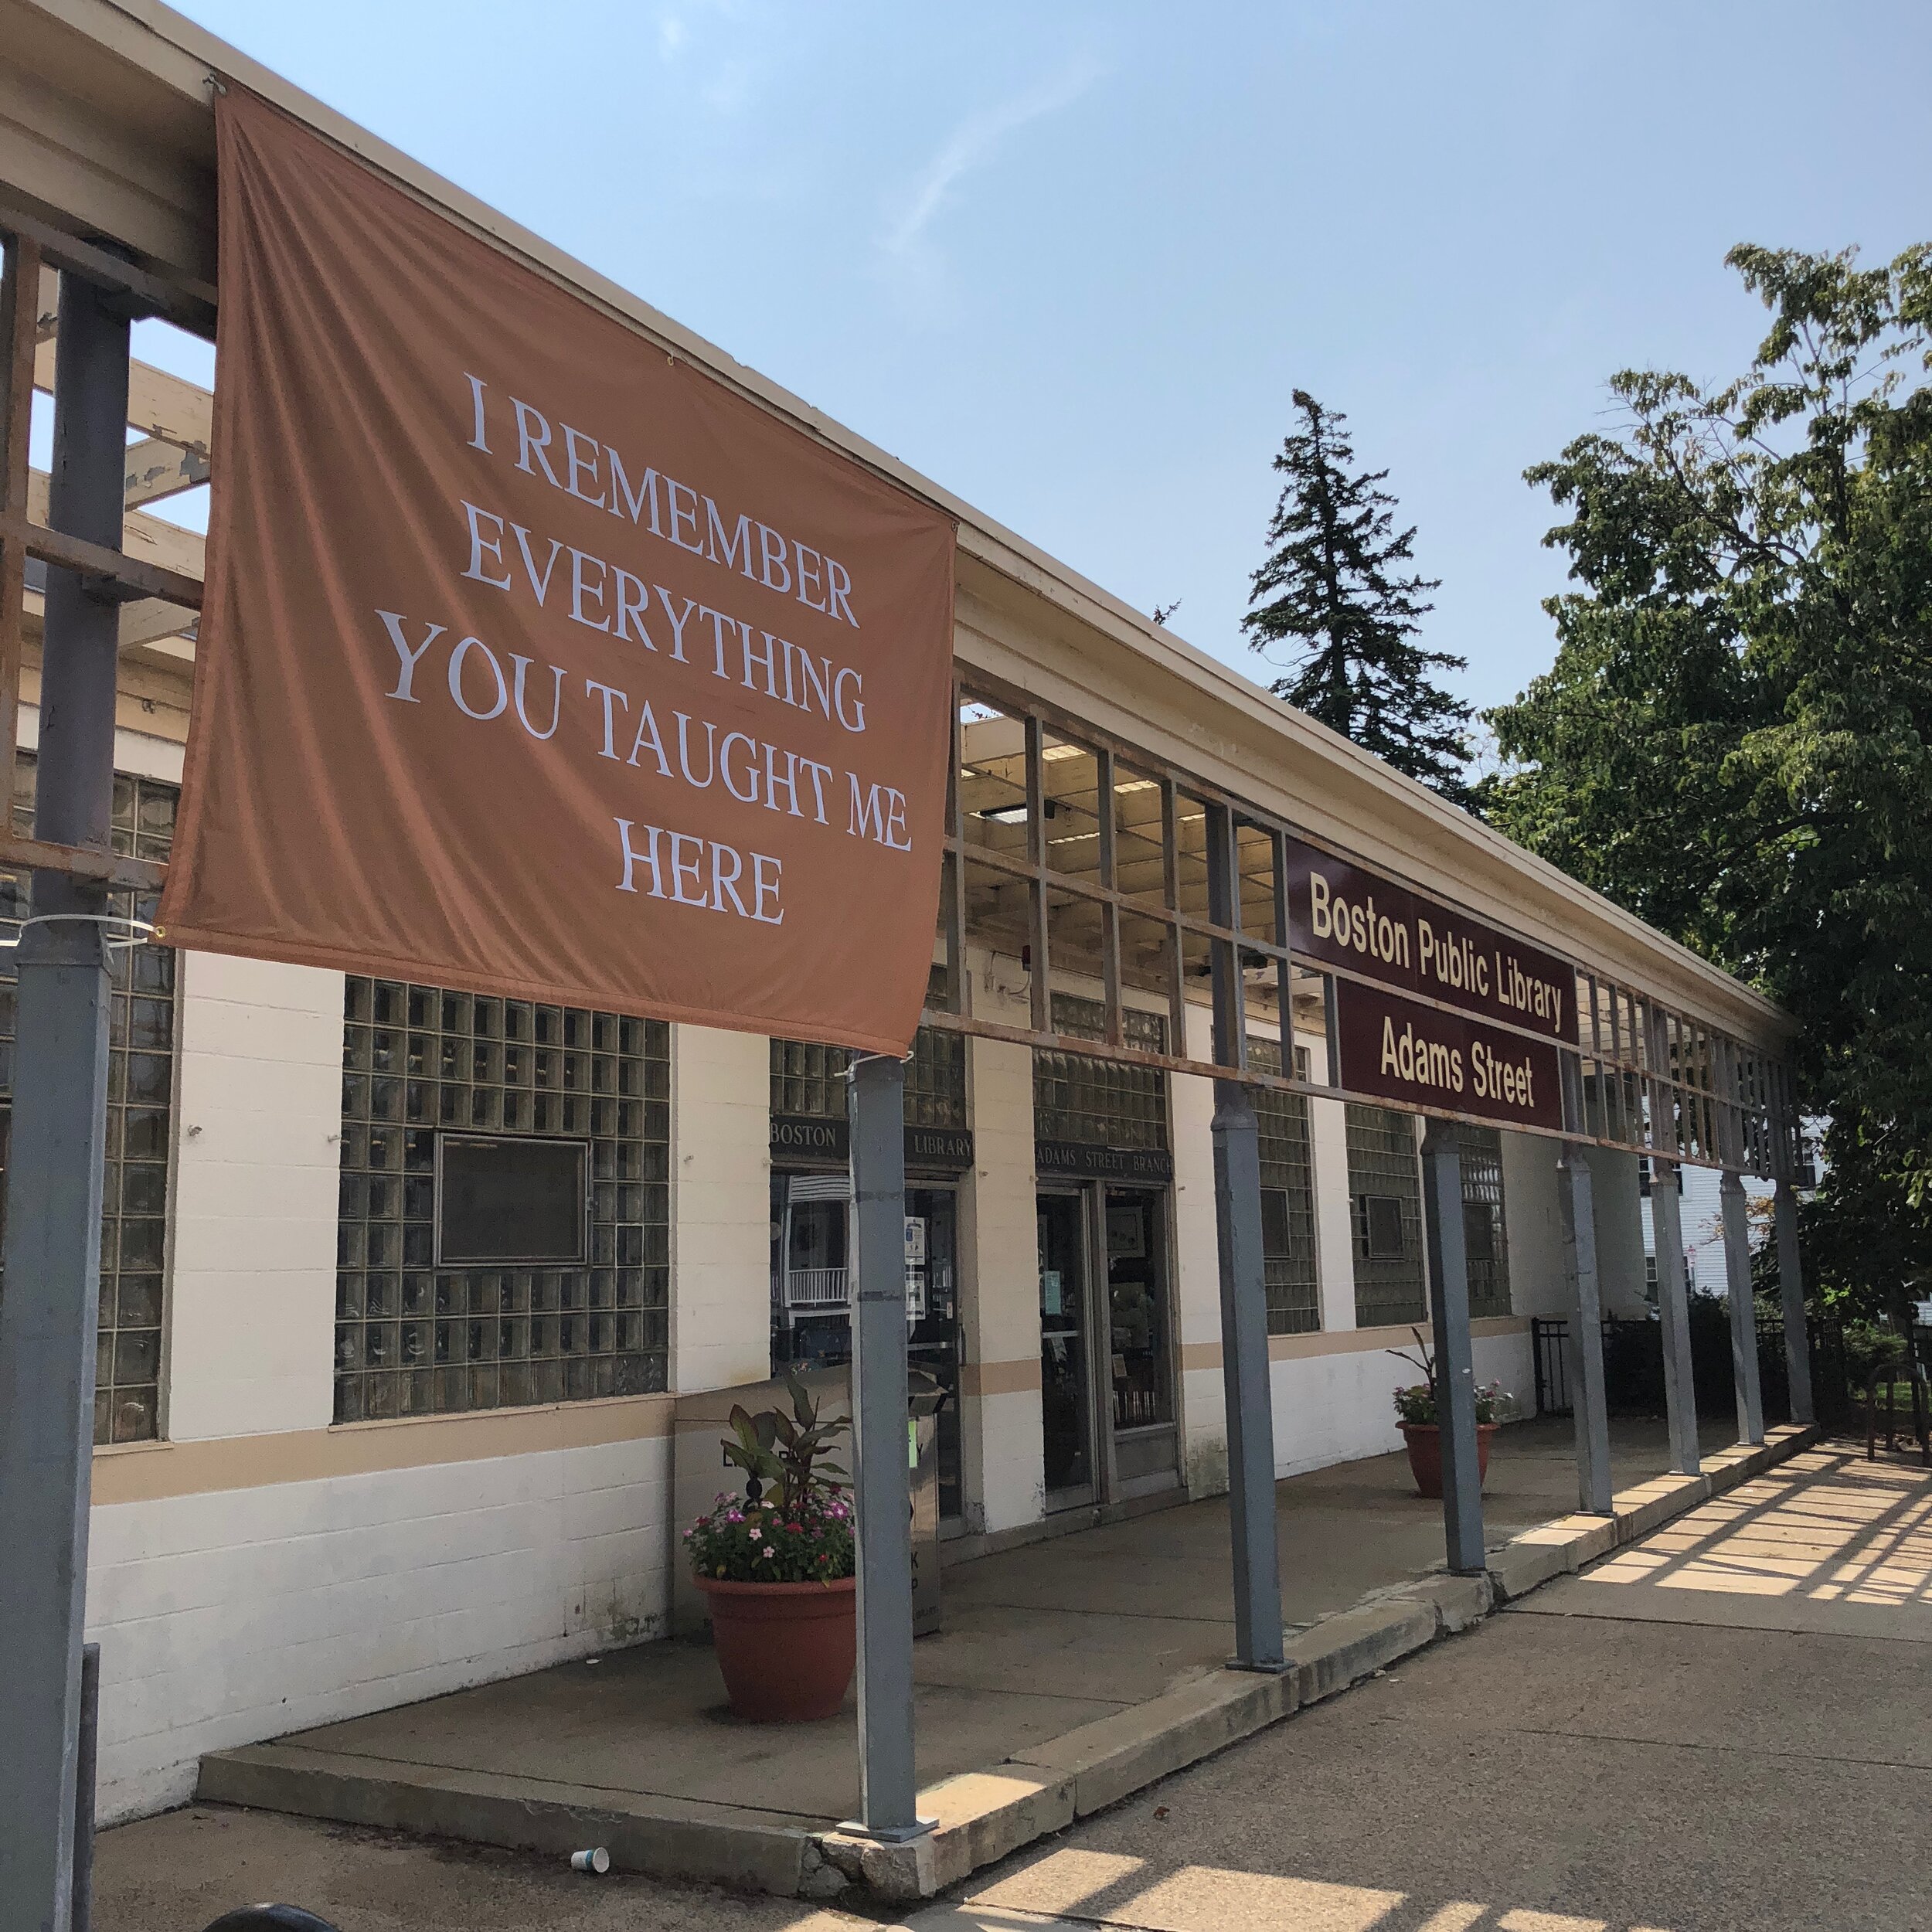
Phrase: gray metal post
[1583,1344]
[86,1766]
[1246,1378]
[1791,1287]
[1744,1308]
[888,1780]
[1455,1366]
[49,1309]
[1673,1313]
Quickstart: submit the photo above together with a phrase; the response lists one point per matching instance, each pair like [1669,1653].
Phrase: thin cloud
[971,143]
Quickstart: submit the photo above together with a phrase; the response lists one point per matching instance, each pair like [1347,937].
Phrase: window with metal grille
[1287,1197]
[1485,1241]
[1098,1103]
[422,1065]
[1385,1193]
[141,1079]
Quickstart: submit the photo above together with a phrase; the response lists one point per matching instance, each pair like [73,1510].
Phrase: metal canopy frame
[1645,1077]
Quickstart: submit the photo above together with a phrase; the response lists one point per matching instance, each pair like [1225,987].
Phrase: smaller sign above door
[817,1138]
[1078,1158]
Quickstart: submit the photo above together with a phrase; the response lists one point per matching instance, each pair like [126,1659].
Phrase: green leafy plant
[1734,741]
[1417,1402]
[1874,1356]
[788,1454]
[794,1523]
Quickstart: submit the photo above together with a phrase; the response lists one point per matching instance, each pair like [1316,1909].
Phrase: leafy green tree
[1333,591]
[1736,739]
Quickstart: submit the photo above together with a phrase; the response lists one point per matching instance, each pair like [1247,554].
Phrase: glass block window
[1098,1103]
[808,1080]
[141,1080]
[415,1339]
[1287,1197]
[1385,1200]
[936,1080]
[1484,1239]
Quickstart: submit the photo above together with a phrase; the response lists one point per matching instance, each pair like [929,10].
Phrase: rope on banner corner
[142,929]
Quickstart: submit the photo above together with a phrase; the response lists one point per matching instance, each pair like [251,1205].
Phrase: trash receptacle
[926,1398]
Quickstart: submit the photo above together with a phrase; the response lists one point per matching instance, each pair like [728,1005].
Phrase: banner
[534,660]
[1344,916]
[1418,1056]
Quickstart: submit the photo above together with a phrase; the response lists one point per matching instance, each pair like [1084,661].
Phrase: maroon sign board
[1343,915]
[1416,1055]
[1421,1056]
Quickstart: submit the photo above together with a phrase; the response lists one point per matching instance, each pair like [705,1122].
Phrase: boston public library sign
[1442,1048]
[533,660]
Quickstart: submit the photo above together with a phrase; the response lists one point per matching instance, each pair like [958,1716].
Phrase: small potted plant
[775,1566]
[1418,1416]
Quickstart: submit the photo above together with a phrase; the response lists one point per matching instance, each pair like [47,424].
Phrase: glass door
[1140,1359]
[932,1320]
[1067,1403]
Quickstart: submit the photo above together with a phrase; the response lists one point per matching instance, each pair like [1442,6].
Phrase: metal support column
[1583,1344]
[1455,1367]
[1246,1376]
[1791,1287]
[50,1308]
[1738,1279]
[1673,1312]
[888,1782]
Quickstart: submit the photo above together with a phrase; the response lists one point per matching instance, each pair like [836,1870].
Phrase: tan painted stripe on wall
[999,1378]
[145,1472]
[1296,1348]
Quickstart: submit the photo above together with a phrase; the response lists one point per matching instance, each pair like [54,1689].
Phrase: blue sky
[1069,260]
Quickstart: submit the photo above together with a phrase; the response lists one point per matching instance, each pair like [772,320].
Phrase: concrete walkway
[1721,1725]
[1040,1644]
[1727,1726]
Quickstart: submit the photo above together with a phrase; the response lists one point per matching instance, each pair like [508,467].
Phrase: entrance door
[932,1322]
[1139,1332]
[1066,1402]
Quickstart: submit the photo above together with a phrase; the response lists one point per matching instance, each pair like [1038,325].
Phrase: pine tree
[1329,586]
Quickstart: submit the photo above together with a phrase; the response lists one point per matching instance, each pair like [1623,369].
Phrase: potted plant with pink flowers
[775,1567]
[1418,1416]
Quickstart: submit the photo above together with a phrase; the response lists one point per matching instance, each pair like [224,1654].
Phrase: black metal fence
[1634,1365]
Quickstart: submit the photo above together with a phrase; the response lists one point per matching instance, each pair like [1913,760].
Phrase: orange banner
[534,660]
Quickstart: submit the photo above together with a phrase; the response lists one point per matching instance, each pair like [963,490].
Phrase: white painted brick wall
[1198,1265]
[231,1617]
[1000,1442]
[721,1209]
[258,1116]
[1335,1408]
[1533,1226]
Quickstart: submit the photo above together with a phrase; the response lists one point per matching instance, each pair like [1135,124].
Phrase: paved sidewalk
[1038,1642]
[1725,1728]
[1117,1600]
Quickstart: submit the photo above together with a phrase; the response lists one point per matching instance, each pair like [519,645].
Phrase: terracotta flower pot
[1425,1453]
[787,1650]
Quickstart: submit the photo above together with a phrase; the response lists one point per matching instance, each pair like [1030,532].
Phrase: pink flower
[757,1535]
